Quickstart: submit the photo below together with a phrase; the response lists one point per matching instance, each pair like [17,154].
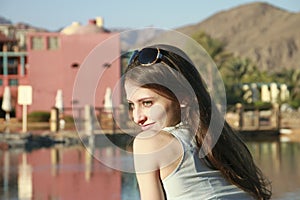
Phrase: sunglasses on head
[146,56]
[150,56]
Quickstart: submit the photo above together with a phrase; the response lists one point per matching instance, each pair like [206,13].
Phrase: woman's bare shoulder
[150,141]
[155,150]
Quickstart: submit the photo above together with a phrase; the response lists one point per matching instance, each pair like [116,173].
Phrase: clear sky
[55,14]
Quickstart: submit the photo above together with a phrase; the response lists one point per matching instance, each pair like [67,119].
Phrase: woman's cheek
[158,113]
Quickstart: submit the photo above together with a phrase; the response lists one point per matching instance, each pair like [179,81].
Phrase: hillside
[3,20]
[266,34]
[20,25]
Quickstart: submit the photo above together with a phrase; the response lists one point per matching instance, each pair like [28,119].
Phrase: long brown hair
[229,154]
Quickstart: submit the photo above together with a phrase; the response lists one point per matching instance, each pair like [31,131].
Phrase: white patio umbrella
[107,100]
[59,104]
[59,101]
[6,103]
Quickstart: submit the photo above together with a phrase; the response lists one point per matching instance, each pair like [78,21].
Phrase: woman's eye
[147,103]
[130,106]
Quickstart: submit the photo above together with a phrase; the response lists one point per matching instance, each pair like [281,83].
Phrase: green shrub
[38,116]
[261,104]
[295,104]
[69,119]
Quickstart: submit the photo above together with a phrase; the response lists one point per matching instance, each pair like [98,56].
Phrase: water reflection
[73,173]
[280,162]
[25,179]
[58,173]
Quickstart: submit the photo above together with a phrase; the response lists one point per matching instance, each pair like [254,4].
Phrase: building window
[12,65]
[13,82]
[37,43]
[75,65]
[1,66]
[53,43]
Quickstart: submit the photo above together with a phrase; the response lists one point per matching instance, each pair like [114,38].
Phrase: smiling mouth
[147,126]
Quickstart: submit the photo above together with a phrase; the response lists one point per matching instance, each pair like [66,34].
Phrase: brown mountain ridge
[267,35]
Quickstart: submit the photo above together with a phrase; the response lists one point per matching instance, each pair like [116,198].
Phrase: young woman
[178,154]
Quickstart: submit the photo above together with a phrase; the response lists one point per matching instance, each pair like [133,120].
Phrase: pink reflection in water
[61,173]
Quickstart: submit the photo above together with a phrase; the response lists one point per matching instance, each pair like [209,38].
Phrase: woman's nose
[139,117]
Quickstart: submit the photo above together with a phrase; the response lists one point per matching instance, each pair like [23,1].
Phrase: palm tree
[292,79]
[214,47]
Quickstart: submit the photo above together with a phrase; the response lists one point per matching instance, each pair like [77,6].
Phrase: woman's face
[150,110]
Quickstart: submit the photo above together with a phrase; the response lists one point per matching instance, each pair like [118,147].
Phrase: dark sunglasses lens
[147,56]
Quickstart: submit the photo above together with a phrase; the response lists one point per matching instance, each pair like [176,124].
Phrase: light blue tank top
[192,179]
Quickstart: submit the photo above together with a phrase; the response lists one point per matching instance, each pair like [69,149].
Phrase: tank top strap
[183,134]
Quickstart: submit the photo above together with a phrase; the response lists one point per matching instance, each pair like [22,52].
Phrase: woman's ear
[188,102]
[184,102]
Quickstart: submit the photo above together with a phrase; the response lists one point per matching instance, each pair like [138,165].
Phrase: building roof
[94,26]
[71,29]
[4,38]
[89,28]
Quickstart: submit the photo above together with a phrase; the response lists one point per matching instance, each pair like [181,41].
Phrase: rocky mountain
[266,34]
[131,39]
[20,25]
[3,20]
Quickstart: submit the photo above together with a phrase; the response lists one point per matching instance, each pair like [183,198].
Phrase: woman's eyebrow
[141,99]
[145,98]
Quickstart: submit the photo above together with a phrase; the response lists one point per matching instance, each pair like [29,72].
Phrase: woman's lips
[147,126]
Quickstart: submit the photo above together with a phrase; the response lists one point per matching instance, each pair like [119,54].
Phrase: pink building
[55,59]
[13,72]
